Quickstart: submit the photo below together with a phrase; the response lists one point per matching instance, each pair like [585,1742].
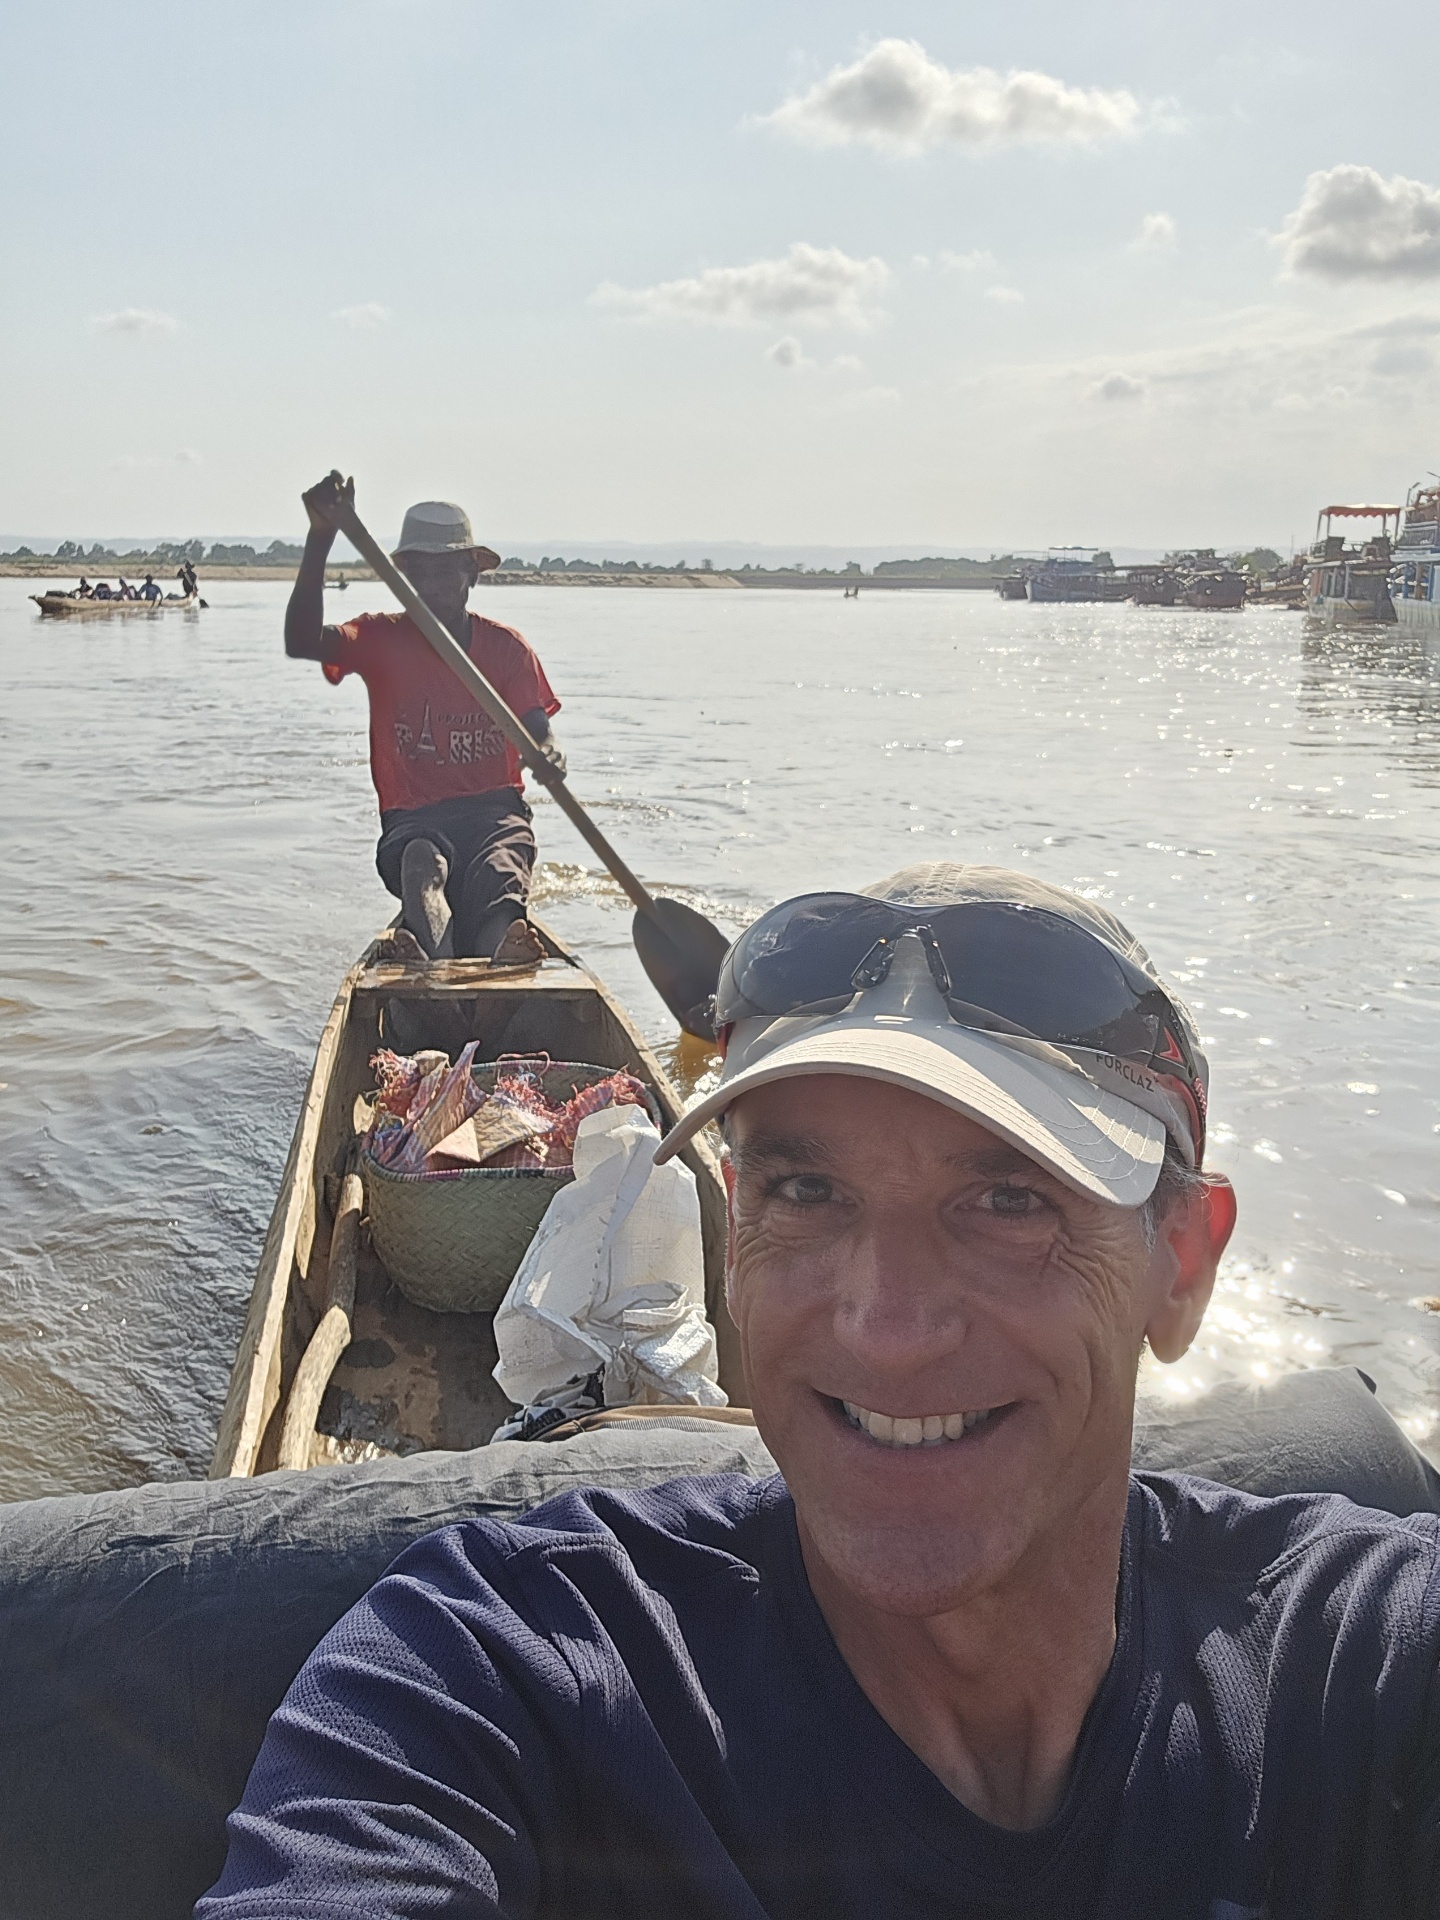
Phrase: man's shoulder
[1182,1510]
[630,1559]
[1200,1539]
[695,1514]
[497,636]
[368,625]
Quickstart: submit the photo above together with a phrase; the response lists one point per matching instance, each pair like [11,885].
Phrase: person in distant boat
[456,844]
[185,574]
[102,591]
[124,591]
[151,589]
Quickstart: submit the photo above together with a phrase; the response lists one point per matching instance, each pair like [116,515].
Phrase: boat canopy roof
[1359,513]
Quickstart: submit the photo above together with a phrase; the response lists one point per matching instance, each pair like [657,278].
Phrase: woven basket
[452,1241]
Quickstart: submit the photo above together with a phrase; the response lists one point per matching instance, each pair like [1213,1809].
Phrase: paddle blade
[681,951]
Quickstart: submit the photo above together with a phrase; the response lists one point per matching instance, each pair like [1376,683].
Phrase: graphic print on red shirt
[428,738]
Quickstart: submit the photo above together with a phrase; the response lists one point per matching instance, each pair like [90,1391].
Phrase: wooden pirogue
[66,607]
[412,1379]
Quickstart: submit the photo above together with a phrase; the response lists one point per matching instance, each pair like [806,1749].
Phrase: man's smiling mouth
[931,1430]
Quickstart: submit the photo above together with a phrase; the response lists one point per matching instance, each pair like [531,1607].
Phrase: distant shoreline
[693,578]
[36,569]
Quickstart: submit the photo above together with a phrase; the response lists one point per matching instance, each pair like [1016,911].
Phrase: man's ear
[1183,1265]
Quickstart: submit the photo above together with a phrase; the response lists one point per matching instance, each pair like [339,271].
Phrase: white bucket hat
[1067,1114]
[438,526]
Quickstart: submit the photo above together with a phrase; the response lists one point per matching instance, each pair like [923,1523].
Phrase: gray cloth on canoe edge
[146,1636]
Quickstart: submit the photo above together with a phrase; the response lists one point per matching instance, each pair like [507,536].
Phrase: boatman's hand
[537,724]
[327,501]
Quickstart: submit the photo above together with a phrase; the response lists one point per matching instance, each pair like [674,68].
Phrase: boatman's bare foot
[520,948]
[400,944]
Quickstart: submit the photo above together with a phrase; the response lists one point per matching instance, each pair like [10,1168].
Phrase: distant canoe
[66,606]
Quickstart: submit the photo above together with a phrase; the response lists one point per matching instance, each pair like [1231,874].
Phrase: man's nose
[898,1303]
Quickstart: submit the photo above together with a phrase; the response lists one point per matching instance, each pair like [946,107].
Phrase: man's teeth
[930,1431]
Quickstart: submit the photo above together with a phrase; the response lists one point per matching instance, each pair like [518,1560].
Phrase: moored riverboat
[410,1379]
[1152,586]
[1415,579]
[1283,586]
[1203,580]
[1350,585]
[1065,577]
[70,606]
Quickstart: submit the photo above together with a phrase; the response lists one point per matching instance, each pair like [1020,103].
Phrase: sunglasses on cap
[1001,968]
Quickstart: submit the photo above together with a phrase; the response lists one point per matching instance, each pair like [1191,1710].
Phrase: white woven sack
[614,1279]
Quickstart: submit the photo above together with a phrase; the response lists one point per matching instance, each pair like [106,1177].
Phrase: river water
[187,827]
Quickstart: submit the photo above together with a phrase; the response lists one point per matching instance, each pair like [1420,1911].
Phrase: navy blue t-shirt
[628,1706]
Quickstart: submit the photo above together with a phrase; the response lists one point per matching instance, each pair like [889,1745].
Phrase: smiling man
[956,1659]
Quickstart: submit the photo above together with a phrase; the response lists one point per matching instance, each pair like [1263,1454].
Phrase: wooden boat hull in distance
[1350,596]
[1351,613]
[65,606]
[412,1379]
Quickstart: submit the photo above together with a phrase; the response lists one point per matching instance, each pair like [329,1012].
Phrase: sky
[872,274]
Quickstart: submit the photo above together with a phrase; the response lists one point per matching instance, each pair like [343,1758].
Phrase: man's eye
[806,1189]
[1014,1203]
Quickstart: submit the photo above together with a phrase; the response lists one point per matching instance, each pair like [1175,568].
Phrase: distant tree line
[555,565]
[166,553]
[285,553]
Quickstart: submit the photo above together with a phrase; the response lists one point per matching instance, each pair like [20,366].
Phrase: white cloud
[368,317]
[788,353]
[1241,367]
[134,320]
[791,355]
[977,262]
[818,286]
[1118,386]
[1353,225]
[1004,296]
[1156,230]
[898,99]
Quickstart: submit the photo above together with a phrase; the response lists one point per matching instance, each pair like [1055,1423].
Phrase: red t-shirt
[428,738]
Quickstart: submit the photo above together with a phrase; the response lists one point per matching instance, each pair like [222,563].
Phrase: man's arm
[404,1768]
[306,635]
[537,724]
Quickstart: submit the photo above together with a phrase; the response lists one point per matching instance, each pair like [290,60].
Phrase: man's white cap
[1065,1111]
[436,526]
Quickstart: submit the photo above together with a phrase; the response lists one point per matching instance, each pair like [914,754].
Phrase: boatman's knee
[423,865]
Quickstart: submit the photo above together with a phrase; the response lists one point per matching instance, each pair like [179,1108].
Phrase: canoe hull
[412,1379]
[62,606]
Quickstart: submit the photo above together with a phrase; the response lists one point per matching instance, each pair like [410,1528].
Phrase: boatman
[456,843]
[955,1659]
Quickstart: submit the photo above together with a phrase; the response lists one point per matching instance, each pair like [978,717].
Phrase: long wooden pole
[465,670]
